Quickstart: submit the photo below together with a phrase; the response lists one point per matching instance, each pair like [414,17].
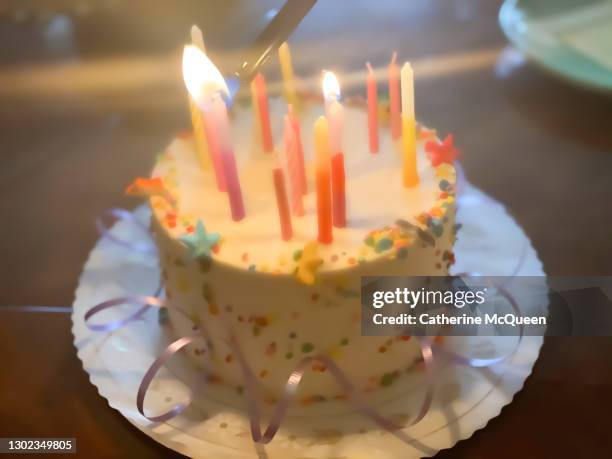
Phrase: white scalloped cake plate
[465,398]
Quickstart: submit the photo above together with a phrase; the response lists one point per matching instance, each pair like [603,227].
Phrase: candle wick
[394,58]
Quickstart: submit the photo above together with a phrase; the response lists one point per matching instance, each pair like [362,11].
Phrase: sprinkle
[252,268]
[351,261]
[289,355]
[383,244]
[309,263]
[245,257]
[261,321]
[344,341]
[263,373]
[387,379]
[271,349]
[293,335]
[307,347]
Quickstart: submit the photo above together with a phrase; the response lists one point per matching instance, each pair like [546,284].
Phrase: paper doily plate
[465,398]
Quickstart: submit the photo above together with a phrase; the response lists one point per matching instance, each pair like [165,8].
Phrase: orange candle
[394,98]
[372,110]
[264,113]
[338,190]
[324,204]
[282,203]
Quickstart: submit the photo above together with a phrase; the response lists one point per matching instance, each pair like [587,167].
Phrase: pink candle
[297,137]
[218,113]
[394,98]
[215,149]
[293,167]
[372,110]
[338,191]
[282,204]
[264,113]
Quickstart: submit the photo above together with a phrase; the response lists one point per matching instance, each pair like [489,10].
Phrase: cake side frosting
[248,287]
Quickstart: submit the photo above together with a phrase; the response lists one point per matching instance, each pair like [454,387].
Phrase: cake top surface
[375,196]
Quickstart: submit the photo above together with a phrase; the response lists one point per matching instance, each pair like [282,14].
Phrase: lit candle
[410,174]
[206,85]
[293,167]
[202,78]
[335,118]
[284,57]
[372,110]
[333,111]
[322,161]
[260,97]
[282,203]
[297,136]
[220,121]
[197,121]
[394,98]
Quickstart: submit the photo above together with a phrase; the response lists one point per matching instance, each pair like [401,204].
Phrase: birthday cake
[269,272]
[283,300]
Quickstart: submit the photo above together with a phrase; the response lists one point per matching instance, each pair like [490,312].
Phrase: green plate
[571,38]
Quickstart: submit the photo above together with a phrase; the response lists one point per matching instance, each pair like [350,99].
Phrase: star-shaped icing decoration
[309,263]
[150,187]
[199,242]
[444,152]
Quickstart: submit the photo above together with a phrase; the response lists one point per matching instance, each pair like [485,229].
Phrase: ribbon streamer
[126,215]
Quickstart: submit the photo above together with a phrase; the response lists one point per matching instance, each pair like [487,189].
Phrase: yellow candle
[291,95]
[410,174]
[197,120]
[199,134]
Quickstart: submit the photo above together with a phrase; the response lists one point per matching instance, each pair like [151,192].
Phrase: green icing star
[200,242]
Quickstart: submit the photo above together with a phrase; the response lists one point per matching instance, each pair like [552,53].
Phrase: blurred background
[91,91]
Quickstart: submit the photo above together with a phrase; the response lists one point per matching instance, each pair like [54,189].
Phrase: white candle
[407,78]
[197,38]
[333,111]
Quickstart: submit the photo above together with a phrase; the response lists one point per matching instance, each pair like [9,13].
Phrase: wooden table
[82,117]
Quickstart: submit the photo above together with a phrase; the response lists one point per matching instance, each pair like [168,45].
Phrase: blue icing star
[200,242]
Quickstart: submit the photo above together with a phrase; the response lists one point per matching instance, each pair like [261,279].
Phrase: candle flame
[331,87]
[201,76]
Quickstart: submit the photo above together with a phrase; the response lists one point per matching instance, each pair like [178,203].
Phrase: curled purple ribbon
[126,215]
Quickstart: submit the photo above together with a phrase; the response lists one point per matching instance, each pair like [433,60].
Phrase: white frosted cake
[286,300]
